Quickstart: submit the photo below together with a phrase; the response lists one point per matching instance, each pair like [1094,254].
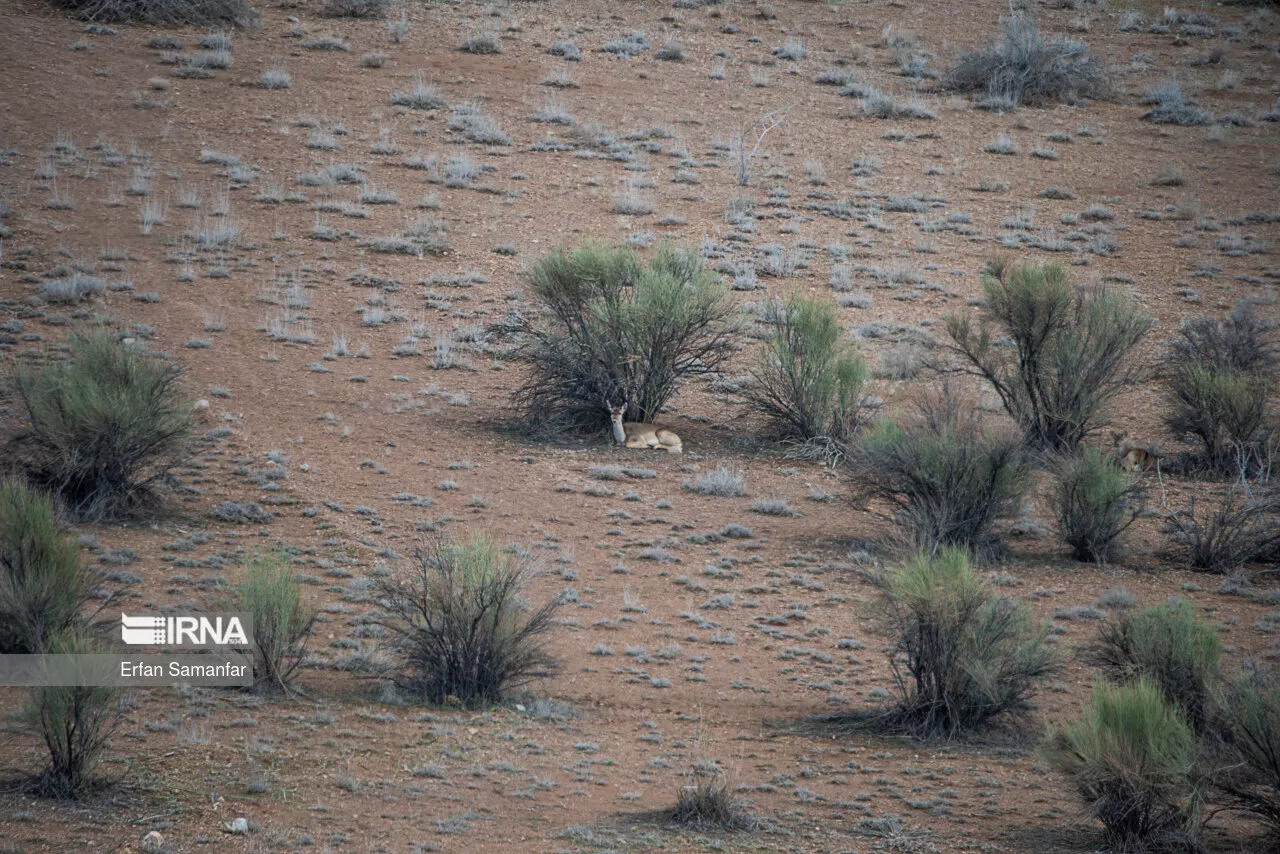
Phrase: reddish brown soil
[337,768]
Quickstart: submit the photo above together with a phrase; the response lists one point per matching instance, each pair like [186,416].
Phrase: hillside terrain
[328,225]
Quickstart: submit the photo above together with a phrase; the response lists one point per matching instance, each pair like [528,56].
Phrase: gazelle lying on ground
[633,434]
[1134,456]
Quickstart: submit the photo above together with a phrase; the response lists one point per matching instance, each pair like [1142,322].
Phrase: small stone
[153,843]
[238,826]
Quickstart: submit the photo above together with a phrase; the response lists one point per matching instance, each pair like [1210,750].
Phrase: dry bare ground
[237,227]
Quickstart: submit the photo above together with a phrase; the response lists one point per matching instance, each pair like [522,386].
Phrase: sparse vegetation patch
[1022,66]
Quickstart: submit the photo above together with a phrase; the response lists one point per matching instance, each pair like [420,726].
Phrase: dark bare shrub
[100,430]
[1131,756]
[610,328]
[1021,66]
[76,722]
[1220,373]
[1250,710]
[43,584]
[964,656]
[1236,528]
[1097,501]
[949,476]
[809,380]
[165,13]
[355,8]
[459,625]
[1056,355]
[1168,645]
[1243,341]
[282,619]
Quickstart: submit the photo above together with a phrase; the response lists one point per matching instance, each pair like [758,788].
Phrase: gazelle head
[616,409]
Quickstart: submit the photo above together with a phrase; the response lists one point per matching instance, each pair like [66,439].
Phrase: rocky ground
[356,396]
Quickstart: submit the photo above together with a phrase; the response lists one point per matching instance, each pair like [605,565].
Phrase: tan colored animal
[1134,456]
[633,434]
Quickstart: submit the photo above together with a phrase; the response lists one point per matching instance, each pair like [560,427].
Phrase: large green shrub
[1096,501]
[43,583]
[964,655]
[459,625]
[609,328]
[1169,646]
[809,380]
[282,619]
[949,476]
[76,722]
[1132,758]
[1220,374]
[1055,354]
[99,430]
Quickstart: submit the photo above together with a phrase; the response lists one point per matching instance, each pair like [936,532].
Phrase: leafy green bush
[100,430]
[1132,758]
[610,329]
[1220,375]
[1170,647]
[1071,349]
[1023,67]
[949,477]
[809,380]
[43,584]
[964,655]
[459,625]
[76,722]
[282,619]
[1251,712]
[1097,501]
[1226,412]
